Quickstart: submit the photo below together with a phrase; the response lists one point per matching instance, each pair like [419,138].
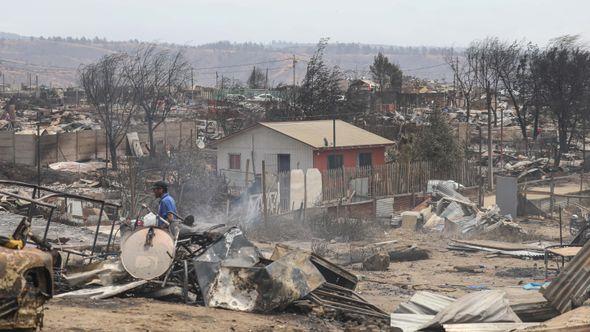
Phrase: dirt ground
[139,314]
[386,289]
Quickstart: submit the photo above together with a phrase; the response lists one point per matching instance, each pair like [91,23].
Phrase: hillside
[56,60]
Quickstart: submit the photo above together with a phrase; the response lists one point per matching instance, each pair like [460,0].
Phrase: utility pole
[192,86]
[480,191]
[490,149]
[294,64]
[37,86]
[266,79]
[455,81]
[583,156]
[334,133]
[502,138]
[38,150]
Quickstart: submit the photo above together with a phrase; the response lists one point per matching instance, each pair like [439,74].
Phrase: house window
[234,161]
[365,159]
[335,161]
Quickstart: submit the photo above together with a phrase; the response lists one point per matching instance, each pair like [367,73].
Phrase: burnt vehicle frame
[26,277]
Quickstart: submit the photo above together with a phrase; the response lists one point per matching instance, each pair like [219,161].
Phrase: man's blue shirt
[167,205]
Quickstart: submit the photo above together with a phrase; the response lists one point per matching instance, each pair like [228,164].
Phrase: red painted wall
[350,157]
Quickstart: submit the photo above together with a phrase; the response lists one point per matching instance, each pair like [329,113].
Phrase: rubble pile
[563,310]
[219,267]
[59,120]
[452,213]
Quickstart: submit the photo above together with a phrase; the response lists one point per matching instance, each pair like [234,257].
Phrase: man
[167,204]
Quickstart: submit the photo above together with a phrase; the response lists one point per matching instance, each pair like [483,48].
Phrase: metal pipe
[112,229]
[24,198]
[560,228]
[97,230]
[58,193]
[47,225]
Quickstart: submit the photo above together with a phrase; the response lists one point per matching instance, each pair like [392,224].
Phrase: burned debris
[355,200]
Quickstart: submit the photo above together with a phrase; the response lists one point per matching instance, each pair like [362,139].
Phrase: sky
[394,22]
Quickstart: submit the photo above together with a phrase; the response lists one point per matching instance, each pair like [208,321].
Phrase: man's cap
[160,184]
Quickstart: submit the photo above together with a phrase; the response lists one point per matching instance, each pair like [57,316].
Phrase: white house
[297,145]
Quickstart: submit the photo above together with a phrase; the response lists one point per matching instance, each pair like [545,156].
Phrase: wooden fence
[391,179]
[86,144]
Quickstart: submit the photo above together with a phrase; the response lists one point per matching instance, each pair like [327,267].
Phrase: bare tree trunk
[490,150]
[536,124]
[563,142]
[113,152]
[150,123]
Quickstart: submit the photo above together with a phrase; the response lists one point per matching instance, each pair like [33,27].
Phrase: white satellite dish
[147,257]
[200,144]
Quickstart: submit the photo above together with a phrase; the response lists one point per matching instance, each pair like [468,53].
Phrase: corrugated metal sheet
[577,320]
[315,133]
[385,207]
[409,322]
[479,307]
[572,286]
[486,327]
[516,253]
[430,303]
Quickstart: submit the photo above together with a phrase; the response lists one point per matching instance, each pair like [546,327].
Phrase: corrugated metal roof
[572,285]
[486,327]
[425,303]
[431,302]
[317,133]
[409,322]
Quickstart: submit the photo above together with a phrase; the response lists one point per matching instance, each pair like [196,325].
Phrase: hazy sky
[398,22]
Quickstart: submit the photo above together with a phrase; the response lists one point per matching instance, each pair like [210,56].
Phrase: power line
[425,67]
[243,64]
[239,71]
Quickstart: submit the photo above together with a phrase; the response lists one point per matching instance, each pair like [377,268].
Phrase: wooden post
[57,147]
[304,196]
[551,200]
[13,148]
[583,156]
[77,152]
[132,184]
[180,137]
[96,145]
[165,137]
[560,228]
[264,210]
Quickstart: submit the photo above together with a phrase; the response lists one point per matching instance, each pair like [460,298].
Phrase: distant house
[364,85]
[298,145]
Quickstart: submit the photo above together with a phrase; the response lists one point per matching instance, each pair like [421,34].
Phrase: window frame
[335,155]
[358,158]
[231,161]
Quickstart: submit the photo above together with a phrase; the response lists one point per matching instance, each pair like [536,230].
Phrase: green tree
[437,143]
[320,89]
[257,79]
[387,74]
[562,73]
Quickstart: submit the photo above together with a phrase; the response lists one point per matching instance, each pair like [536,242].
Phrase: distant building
[364,85]
[298,145]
